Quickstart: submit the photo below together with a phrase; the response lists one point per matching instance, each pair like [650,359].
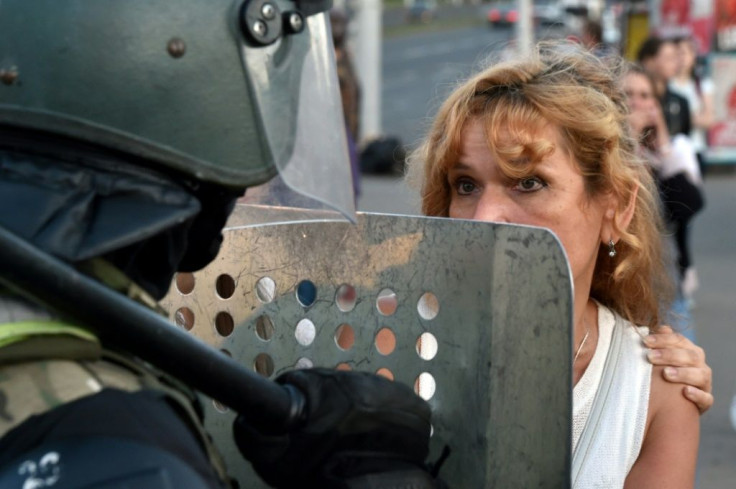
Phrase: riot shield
[476,316]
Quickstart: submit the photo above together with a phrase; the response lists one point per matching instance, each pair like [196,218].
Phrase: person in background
[672,162]
[659,57]
[698,90]
[680,191]
[592,38]
[349,89]
[545,141]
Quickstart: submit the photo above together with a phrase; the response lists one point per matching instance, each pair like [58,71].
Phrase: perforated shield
[476,316]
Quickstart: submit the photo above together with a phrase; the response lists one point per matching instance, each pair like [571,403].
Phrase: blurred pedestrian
[592,39]
[660,59]
[681,191]
[698,90]
[349,89]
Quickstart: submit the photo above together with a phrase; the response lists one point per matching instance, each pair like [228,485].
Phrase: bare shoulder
[666,401]
[669,450]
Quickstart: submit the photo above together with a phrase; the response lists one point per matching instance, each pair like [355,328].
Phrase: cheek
[461,210]
[579,231]
[581,248]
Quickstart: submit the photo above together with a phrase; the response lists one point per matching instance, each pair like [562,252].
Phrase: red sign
[675,12]
[726,25]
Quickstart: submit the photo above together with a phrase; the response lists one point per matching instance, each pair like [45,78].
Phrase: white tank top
[610,404]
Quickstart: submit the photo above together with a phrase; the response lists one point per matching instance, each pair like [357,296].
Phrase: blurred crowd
[670,109]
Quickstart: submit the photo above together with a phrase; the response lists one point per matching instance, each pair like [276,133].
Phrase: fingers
[684,363]
[669,348]
[703,400]
[699,378]
[677,357]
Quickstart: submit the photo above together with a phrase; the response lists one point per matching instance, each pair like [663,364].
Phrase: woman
[545,142]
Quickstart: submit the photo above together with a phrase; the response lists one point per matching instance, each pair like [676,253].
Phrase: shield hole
[344,337]
[184,318]
[385,341]
[225,286]
[345,298]
[305,332]
[265,289]
[384,372]
[263,364]
[224,324]
[306,293]
[264,328]
[425,386]
[428,306]
[387,302]
[427,346]
[304,362]
[185,283]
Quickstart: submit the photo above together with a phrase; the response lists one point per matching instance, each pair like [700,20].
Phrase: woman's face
[667,61]
[686,51]
[639,92]
[553,197]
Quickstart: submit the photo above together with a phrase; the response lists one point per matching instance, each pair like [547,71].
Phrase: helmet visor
[298,95]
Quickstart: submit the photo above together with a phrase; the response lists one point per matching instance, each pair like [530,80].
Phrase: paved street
[714,245]
[419,70]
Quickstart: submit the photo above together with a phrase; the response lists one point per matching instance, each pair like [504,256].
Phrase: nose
[493,205]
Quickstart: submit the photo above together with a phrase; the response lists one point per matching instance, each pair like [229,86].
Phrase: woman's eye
[530,184]
[465,187]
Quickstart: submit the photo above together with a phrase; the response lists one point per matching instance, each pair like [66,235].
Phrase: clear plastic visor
[298,94]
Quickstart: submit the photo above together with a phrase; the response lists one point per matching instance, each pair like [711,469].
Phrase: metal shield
[476,316]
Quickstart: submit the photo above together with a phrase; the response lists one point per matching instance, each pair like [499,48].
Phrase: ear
[616,218]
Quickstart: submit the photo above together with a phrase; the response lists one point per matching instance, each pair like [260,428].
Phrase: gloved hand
[361,431]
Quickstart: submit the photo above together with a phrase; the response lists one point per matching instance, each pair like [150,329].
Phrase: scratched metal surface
[500,340]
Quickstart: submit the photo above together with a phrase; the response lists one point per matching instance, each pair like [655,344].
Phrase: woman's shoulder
[670,438]
[633,336]
[671,421]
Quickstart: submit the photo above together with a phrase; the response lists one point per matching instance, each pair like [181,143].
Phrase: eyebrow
[459,166]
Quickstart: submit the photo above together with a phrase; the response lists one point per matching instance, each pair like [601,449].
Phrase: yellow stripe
[14,332]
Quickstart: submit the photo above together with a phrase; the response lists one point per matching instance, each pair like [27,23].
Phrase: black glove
[361,431]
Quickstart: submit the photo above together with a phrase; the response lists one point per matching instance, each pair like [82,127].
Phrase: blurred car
[545,13]
[503,14]
[549,13]
[420,11]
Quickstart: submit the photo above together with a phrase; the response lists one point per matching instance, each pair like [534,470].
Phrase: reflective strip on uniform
[14,332]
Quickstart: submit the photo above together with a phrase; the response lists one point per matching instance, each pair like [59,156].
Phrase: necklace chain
[582,343]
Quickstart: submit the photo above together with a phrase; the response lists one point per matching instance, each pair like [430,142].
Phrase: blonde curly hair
[568,87]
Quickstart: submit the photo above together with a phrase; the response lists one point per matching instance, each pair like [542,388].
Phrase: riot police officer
[127,132]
